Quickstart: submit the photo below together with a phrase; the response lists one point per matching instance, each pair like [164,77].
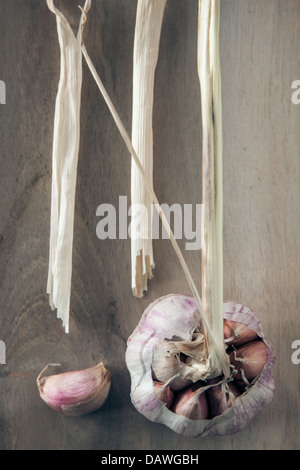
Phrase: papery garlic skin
[76,393]
[177,316]
[167,362]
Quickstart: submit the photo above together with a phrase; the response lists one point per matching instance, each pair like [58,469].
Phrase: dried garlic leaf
[149,19]
[65,151]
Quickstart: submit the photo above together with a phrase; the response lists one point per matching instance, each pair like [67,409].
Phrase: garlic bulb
[175,319]
[75,393]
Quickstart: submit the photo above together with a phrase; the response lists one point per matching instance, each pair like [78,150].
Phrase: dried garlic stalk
[217,348]
[64,165]
[146,48]
[212,188]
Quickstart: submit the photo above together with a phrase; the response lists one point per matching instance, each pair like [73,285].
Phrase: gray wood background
[260,59]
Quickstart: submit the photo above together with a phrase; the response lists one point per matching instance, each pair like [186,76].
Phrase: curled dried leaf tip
[83,23]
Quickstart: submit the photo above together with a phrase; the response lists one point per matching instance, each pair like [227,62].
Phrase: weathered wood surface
[260,59]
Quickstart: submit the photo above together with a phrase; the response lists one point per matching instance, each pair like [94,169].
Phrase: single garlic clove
[75,393]
[165,364]
[249,359]
[164,393]
[228,333]
[191,403]
[221,396]
[236,333]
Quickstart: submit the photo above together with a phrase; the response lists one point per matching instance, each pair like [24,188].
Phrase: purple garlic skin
[177,316]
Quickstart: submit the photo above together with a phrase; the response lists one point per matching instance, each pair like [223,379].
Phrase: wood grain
[260,60]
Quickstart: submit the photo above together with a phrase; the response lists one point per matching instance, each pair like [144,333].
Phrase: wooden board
[260,60]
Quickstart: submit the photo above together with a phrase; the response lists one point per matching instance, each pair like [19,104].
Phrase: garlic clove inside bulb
[75,393]
[236,333]
[249,359]
[221,396]
[164,393]
[191,402]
